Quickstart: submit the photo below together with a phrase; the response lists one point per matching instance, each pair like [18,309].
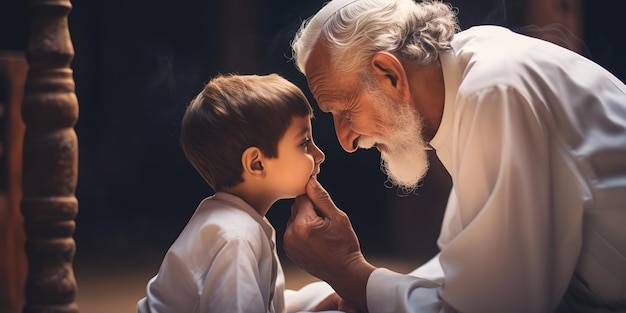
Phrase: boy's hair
[235,112]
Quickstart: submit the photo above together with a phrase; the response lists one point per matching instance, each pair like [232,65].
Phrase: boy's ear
[252,162]
[390,75]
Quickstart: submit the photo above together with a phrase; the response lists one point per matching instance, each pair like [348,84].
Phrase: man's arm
[320,239]
[515,241]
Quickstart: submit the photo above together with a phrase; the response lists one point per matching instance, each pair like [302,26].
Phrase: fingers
[294,208]
[320,198]
[310,213]
[302,217]
[329,303]
[303,208]
[334,302]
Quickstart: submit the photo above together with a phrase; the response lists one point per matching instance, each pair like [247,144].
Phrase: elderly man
[532,134]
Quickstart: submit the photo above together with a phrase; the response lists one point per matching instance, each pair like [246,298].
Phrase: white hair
[356,29]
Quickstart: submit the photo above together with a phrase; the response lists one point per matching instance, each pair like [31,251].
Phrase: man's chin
[406,176]
[403,183]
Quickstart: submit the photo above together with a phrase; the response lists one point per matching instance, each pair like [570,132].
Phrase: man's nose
[347,138]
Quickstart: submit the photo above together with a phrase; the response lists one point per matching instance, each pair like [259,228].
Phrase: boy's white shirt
[225,260]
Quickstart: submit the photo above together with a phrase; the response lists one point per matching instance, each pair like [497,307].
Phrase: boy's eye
[306,142]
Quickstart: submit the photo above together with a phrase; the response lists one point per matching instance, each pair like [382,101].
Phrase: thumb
[302,208]
[320,198]
[303,215]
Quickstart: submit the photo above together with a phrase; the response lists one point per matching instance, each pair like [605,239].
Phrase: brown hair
[235,112]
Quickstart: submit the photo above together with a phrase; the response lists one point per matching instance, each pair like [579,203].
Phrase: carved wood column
[13,69]
[50,160]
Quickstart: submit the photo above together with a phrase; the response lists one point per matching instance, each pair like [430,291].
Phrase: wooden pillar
[50,160]
[13,68]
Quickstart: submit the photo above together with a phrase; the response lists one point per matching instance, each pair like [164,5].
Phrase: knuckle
[300,230]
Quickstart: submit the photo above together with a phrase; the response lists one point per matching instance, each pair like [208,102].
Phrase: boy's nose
[318,155]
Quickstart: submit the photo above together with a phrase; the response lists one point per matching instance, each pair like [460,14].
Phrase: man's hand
[335,302]
[319,236]
[320,239]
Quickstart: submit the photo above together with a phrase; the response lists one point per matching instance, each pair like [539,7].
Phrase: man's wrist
[351,282]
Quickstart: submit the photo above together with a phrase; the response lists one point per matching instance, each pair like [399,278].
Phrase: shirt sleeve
[514,251]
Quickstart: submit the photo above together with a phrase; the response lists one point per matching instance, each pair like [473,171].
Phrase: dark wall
[137,65]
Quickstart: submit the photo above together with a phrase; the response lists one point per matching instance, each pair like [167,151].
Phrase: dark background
[138,63]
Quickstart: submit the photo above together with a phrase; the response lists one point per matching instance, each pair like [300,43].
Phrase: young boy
[250,138]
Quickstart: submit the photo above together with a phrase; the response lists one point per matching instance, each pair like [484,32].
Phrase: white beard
[404,161]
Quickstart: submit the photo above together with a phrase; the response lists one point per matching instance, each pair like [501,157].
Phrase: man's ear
[391,76]
[252,162]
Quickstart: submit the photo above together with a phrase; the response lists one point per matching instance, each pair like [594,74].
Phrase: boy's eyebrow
[304,131]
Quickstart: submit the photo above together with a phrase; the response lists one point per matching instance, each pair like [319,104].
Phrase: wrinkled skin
[320,239]
[335,302]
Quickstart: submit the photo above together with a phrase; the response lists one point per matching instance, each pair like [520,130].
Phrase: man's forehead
[325,91]
[329,87]
[318,72]
[318,61]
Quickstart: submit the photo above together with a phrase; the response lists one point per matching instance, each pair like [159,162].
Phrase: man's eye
[306,142]
[346,115]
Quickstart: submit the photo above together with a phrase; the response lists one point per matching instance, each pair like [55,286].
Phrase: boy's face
[298,159]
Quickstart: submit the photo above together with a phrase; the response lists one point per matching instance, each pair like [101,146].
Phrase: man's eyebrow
[328,101]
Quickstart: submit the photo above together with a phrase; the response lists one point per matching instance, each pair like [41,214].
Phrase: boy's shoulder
[227,202]
[217,222]
[218,209]
[227,214]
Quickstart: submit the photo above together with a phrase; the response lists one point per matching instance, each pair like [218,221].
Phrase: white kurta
[225,261]
[534,138]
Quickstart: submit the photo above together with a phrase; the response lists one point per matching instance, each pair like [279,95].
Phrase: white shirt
[534,138]
[225,261]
